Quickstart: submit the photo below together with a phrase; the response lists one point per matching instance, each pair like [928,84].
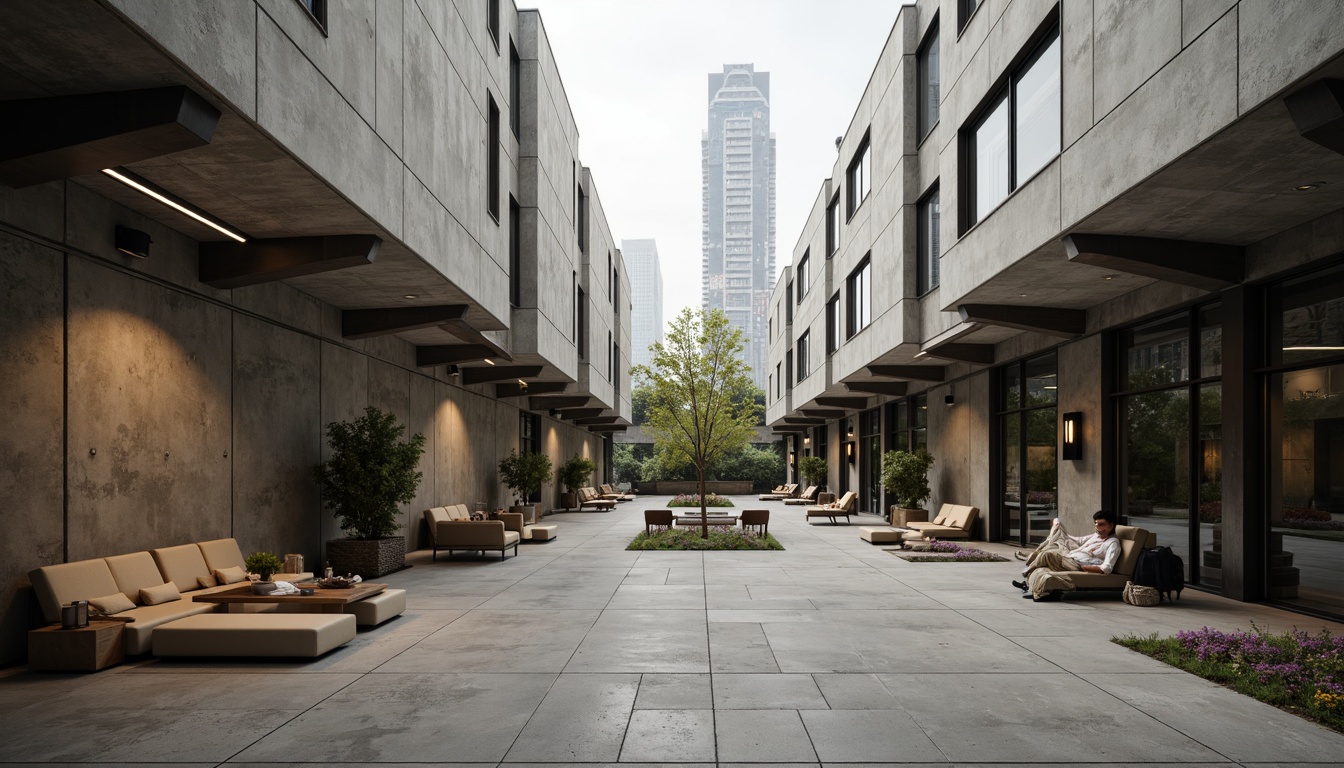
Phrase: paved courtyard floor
[579,652]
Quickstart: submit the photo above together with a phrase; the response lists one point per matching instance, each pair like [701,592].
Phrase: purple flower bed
[950,552]
[1296,671]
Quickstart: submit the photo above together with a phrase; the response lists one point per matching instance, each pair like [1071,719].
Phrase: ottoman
[254,634]
[881,534]
[540,532]
[372,611]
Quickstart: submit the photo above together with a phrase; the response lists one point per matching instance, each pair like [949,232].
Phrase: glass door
[1028,434]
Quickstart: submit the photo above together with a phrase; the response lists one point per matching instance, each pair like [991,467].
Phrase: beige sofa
[1133,540]
[183,566]
[954,521]
[452,529]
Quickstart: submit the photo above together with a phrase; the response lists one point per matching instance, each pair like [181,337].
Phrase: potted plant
[814,470]
[905,475]
[264,564]
[524,473]
[573,475]
[370,473]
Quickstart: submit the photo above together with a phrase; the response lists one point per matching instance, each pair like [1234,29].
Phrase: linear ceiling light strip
[142,186]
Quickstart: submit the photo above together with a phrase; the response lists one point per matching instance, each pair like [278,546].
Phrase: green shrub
[369,473]
[264,564]
[720,537]
[693,500]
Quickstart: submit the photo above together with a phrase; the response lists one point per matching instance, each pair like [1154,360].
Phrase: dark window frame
[857,284]
[928,274]
[833,340]
[926,122]
[492,158]
[317,11]
[803,357]
[802,277]
[492,21]
[515,253]
[515,91]
[581,321]
[833,225]
[858,183]
[966,11]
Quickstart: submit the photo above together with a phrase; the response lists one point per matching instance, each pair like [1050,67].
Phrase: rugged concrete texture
[580,653]
[1080,390]
[150,393]
[1130,43]
[277,439]
[1279,43]
[345,391]
[32,363]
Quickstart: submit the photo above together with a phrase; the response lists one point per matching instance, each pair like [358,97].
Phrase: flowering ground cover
[1295,671]
[693,500]
[948,552]
[720,537]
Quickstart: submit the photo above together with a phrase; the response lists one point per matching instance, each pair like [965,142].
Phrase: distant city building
[737,157]
[646,294]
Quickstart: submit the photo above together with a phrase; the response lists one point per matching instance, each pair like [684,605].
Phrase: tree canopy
[701,403]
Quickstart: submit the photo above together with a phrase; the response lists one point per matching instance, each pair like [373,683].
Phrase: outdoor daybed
[843,507]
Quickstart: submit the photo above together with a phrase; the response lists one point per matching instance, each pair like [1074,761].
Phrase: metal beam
[449,354]
[514,389]
[235,265]
[596,420]
[63,136]
[848,403]
[803,420]
[1318,112]
[488,373]
[912,372]
[367,323]
[978,354]
[822,413]
[894,388]
[546,403]
[607,428]
[581,413]
[1207,266]
[789,429]
[1052,320]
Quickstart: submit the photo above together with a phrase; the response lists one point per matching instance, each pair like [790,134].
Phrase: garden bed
[693,500]
[1295,671]
[720,537]
[947,552]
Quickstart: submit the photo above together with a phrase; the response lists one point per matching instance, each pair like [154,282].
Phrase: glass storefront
[1028,466]
[1305,398]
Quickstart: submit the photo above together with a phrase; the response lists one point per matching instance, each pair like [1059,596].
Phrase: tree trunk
[704,513]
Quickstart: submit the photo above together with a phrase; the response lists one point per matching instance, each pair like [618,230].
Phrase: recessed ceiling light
[1309,185]
[1022,295]
[1108,277]
[144,187]
[410,296]
[488,360]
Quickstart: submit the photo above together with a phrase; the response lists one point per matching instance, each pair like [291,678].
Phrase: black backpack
[1161,569]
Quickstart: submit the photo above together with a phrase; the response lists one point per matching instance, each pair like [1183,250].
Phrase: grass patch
[1294,671]
[720,537]
[693,500]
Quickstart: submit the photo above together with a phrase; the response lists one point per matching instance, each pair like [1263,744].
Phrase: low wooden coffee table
[329,600]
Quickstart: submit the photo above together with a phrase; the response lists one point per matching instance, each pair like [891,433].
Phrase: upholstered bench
[372,611]
[540,532]
[254,634]
[881,534]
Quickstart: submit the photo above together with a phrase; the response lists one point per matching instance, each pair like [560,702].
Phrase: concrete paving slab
[658,597]
[764,735]
[500,641]
[582,719]
[740,647]
[868,736]
[677,735]
[644,641]
[768,691]
[855,692]
[657,691]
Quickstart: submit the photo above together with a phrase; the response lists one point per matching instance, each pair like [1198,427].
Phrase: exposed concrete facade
[1172,125]
[144,408]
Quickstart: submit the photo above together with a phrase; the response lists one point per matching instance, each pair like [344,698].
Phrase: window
[772,329]
[515,92]
[515,254]
[611,358]
[965,8]
[611,276]
[926,60]
[833,226]
[927,268]
[859,177]
[583,224]
[492,171]
[859,297]
[803,367]
[788,369]
[492,21]
[770,386]
[317,9]
[802,278]
[788,305]
[778,383]
[833,324]
[1017,135]
[580,315]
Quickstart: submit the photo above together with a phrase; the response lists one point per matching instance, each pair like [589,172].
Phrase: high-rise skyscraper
[646,297]
[737,159]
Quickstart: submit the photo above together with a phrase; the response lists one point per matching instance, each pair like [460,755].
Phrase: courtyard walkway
[579,652]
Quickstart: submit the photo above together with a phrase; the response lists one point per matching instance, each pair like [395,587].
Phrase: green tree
[370,471]
[639,405]
[701,404]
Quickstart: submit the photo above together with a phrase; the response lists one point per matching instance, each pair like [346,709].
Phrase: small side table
[87,649]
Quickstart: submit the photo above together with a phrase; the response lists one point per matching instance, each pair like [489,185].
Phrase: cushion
[207,581]
[134,572]
[183,565]
[57,585]
[230,575]
[164,593]
[110,604]
[221,553]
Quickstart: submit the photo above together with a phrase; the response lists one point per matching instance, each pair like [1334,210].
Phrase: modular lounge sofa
[452,529]
[954,521]
[159,587]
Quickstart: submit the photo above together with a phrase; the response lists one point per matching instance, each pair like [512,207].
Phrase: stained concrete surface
[580,653]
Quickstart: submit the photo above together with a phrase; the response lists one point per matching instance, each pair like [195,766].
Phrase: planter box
[369,558]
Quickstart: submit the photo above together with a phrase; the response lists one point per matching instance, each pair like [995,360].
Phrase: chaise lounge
[806,498]
[782,492]
[842,507]
[954,521]
[589,497]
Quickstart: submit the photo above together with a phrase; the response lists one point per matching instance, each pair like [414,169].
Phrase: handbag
[1135,594]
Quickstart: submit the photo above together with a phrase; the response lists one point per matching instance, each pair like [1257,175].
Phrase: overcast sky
[636,74]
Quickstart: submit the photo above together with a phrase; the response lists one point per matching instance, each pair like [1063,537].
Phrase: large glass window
[1305,492]
[1028,470]
[492,159]
[927,63]
[515,92]
[515,253]
[1171,454]
[859,297]
[803,277]
[833,324]
[908,423]
[804,366]
[859,178]
[833,226]
[1018,134]
[927,211]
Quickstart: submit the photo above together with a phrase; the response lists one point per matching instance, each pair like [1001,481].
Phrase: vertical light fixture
[1071,436]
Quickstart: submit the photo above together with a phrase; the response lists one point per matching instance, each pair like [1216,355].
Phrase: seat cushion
[880,534]
[372,611]
[222,553]
[57,585]
[139,634]
[183,565]
[134,572]
[540,532]
[262,634]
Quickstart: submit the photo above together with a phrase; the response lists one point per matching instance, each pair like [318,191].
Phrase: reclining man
[1096,553]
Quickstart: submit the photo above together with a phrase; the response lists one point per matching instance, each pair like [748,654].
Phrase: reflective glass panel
[1307,318]
[1211,341]
[1157,466]
[1012,477]
[1012,387]
[991,160]
[1037,113]
[1041,380]
[1210,459]
[1158,353]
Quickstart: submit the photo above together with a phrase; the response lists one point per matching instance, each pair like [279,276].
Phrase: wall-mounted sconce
[849,452]
[1071,437]
[849,428]
[555,413]
[454,371]
[949,400]
[792,456]
[807,439]
[132,242]
[522,386]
